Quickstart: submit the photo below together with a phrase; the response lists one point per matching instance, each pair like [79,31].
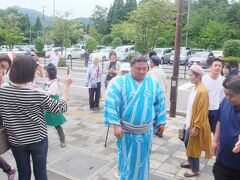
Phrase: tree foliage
[100,19]
[117,12]
[232,48]
[64,29]
[149,19]
[37,28]
[213,35]
[91,45]
[39,44]
[130,6]
[116,42]
[125,31]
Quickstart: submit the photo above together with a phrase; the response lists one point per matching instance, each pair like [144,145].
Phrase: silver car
[201,58]
[164,54]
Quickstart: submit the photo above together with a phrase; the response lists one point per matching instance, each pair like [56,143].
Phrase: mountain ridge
[33,14]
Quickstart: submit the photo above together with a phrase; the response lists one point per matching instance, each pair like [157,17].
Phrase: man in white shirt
[213,82]
[54,58]
[157,72]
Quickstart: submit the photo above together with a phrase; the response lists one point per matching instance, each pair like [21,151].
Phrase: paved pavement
[86,158]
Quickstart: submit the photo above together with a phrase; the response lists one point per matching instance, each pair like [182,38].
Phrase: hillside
[33,14]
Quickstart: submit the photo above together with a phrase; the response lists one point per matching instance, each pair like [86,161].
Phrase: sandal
[185,164]
[190,174]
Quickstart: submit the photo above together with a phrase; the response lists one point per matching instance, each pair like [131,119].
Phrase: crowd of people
[135,95]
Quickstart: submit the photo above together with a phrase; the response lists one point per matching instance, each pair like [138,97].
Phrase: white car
[218,54]
[123,52]
[74,53]
[103,54]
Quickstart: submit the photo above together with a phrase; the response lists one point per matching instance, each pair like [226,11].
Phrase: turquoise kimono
[136,104]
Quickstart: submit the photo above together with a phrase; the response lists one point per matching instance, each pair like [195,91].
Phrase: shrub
[231,48]
[233,61]
[40,53]
[62,62]
[161,42]
[91,45]
[107,40]
[116,42]
[39,44]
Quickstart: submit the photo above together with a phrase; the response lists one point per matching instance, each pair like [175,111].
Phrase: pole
[174,78]
[30,35]
[53,8]
[188,17]
[105,144]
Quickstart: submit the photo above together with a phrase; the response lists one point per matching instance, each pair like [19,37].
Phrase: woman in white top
[93,82]
[51,87]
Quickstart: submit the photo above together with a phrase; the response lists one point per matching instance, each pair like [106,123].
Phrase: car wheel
[69,57]
[104,58]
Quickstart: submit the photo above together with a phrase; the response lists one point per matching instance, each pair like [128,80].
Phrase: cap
[125,67]
[155,59]
[197,69]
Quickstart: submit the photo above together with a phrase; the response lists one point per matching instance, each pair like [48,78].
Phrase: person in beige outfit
[157,73]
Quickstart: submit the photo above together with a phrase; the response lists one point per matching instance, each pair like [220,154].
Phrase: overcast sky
[79,8]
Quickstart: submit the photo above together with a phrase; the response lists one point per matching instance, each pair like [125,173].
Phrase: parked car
[103,54]
[73,53]
[164,54]
[123,52]
[218,54]
[201,58]
[184,55]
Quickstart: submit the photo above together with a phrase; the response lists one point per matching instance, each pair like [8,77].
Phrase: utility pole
[43,28]
[53,8]
[174,78]
[188,17]
[30,34]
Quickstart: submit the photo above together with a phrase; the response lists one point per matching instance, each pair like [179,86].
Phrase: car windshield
[105,50]
[218,53]
[201,54]
[183,53]
[120,50]
[158,51]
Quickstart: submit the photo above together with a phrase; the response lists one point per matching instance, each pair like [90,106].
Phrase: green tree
[149,19]
[118,11]
[100,19]
[130,6]
[116,42]
[161,42]
[232,48]
[107,40]
[233,18]
[91,45]
[11,32]
[125,31]
[39,44]
[94,34]
[65,29]
[213,35]
[37,28]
